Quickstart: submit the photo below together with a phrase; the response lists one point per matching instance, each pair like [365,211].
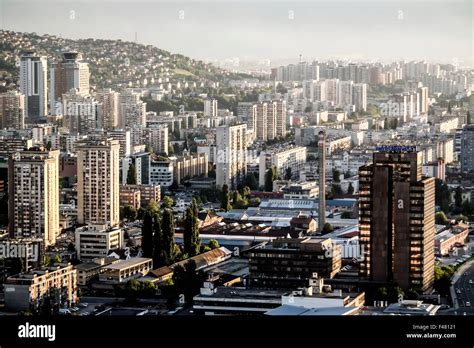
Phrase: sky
[383,30]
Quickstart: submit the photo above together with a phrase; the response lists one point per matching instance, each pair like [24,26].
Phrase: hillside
[113,63]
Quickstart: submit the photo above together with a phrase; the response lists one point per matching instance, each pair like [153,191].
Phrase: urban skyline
[382,30]
[137,181]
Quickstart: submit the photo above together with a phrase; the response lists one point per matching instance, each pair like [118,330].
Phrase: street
[464,291]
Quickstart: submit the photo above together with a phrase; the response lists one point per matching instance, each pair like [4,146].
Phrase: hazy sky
[439,30]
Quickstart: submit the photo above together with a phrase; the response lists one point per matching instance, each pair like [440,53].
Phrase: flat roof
[296,310]
[128,263]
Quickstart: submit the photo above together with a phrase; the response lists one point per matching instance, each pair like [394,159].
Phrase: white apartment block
[161,173]
[94,241]
[210,107]
[231,161]
[33,191]
[360,97]
[98,181]
[282,159]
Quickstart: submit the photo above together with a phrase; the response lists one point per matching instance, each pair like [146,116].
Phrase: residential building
[123,271]
[26,291]
[287,160]
[34,85]
[396,219]
[231,164]
[292,262]
[69,73]
[33,191]
[94,241]
[210,107]
[161,173]
[98,181]
[467,149]
[12,110]
[109,100]
[189,166]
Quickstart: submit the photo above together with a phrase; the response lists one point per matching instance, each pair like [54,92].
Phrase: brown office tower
[322,181]
[396,219]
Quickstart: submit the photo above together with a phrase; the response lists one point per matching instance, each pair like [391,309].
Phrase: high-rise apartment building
[210,107]
[332,90]
[132,110]
[423,100]
[12,110]
[69,73]
[271,120]
[467,148]
[157,137]
[231,158]
[98,181]
[80,113]
[34,85]
[396,219]
[247,113]
[33,193]
[261,122]
[359,97]
[280,118]
[109,100]
[345,93]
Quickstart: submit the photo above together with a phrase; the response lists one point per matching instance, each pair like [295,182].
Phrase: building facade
[34,85]
[98,181]
[231,161]
[396,220]
[33,191]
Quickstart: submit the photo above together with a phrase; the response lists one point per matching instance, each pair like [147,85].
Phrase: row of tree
[158,229]
[239,199]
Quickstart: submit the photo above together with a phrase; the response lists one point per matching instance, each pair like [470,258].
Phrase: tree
[251,181]
[270,177]
[350,189]
[288,173]
[49,145]
[336,175]
[346,215]
[157,239]
[191,238]
[381,294]
[213,244]
[168,245]
[129,212]
[132,175]
[449,107]
[238,201]
[336,190]
[442,196]
[225,199]
[147,233]
[327,228]
[187,280]
[440,218]
[468,118]
[458,197]
[167,202]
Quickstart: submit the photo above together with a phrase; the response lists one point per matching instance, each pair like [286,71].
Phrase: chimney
[322,180]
